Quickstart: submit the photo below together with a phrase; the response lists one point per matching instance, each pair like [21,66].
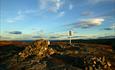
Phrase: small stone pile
[96,63]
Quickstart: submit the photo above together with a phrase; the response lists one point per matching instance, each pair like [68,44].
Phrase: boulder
[38,48]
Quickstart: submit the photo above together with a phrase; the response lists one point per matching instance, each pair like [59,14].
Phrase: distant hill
[99,41]
[110,41]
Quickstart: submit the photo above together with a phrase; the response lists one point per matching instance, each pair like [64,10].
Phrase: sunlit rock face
[38,48]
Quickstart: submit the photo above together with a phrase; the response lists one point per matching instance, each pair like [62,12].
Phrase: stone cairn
[38,48]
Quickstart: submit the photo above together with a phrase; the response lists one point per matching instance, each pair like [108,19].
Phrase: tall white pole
[70,34]
[70,39]
[113,27]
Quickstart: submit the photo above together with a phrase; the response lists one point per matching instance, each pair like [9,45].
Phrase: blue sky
[52,19]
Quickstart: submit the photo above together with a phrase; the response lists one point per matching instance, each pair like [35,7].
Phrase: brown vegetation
[41,54]
[15,43]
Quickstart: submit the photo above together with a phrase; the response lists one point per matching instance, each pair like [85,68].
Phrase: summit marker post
[70,34]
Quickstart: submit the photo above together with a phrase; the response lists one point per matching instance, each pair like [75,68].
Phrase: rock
[38,48]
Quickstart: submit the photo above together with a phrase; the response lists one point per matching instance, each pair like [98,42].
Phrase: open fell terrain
[39,55]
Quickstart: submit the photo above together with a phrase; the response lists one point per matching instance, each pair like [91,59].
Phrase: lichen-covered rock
[38,48]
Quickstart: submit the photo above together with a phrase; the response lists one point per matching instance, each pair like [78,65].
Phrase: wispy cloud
[36,37]
[61,34]
[87,13]
[79,36]
[106,37]
[61,14]
[84,37]
[87,23]
[107,28]
[70,7]
[20,15]
[16,18]
[4,38]
[50,5]
[112,27]
[99,1]
[106,14]
[53,37]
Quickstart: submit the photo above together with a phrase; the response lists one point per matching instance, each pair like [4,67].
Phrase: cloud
[112,27]
[107,14]
[84,37]
[54,37]
[61,14]
[79,36]
[50,5]
[106,37]
[58,36]
[15,32]
[16,18]
[87,13]
[107,29]
[36,37]
[4,38]
[26,37]
[61,34]
[91,22]
[87,23]
[21,15]
[70,7]
[99,1]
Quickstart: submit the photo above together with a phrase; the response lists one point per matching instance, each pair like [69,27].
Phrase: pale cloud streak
[99,1]
[93,21]
[5,38]
[84,37]
[21,14]
[61,14]
[87,23]
[87,13]
[16,18]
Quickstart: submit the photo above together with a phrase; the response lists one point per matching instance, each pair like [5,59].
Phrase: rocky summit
[45,55]
[38,48]
[31,58]
[41,55]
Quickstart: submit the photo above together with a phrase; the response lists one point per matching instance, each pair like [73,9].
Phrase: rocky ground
[43,55]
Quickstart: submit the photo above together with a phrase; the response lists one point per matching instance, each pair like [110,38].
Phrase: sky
[53,19]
